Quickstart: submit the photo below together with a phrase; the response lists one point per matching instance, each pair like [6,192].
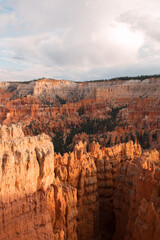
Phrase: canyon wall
[78,169]
[127,182]
[33,205]
[96,193]
[70,90]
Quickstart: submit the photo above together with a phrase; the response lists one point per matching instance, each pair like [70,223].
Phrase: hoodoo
[108,112]
[103,193]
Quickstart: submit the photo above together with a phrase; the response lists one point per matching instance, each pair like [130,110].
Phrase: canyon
[108,112]
[99,193]
[80,160]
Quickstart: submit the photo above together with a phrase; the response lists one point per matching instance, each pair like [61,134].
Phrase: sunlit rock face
[78,169]
[33,204]
[117,190]
[100,193]
[27,163]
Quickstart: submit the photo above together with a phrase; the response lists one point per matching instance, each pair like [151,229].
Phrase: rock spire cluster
[101,194]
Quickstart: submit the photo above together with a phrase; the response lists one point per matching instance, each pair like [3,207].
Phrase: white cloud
[147,24]
[77,39]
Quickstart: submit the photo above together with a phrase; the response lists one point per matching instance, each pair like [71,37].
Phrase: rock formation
[103,185]
[102,194]
[118,185]
[33,205]
[116,111]
[78,170]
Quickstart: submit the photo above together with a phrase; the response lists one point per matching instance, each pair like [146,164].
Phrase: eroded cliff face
[120,190]
[101,194]
[33,204]
[78,169]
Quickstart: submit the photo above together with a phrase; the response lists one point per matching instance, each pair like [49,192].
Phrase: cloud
[147,25]
[142,22]
[76,39]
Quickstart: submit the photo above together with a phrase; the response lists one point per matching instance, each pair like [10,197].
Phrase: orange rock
[104,193]
[33,204]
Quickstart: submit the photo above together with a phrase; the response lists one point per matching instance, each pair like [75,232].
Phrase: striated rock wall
[126,184]
[108,161]
[32,204]
[79,171]
[137,198]
[26,163]
[41,215]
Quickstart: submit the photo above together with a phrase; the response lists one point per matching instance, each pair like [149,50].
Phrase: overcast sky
[78,39]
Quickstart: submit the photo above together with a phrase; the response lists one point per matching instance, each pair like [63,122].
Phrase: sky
[78,39]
